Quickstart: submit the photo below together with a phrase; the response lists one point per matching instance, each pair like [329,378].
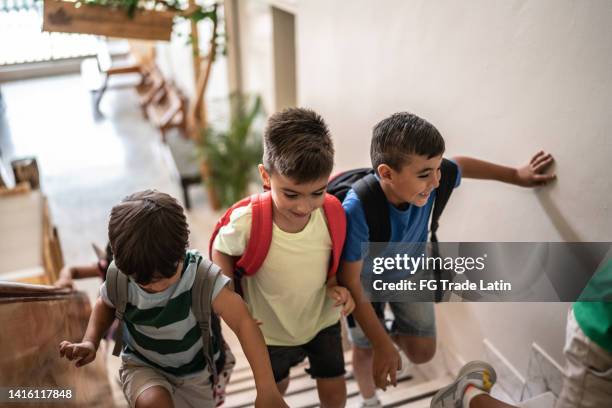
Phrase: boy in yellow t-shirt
[291,295]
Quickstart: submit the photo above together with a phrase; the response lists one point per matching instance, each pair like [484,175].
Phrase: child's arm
[84,352]
[529,175]
[226,263]
[69,273]
[386,357]
[234,312]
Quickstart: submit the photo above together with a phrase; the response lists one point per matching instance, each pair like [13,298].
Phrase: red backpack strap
[260,236]
[336,223]
[224,221]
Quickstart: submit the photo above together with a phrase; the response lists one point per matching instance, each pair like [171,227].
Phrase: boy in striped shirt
[162,361]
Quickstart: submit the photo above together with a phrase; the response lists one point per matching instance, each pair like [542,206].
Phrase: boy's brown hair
[148,234]
[297,144]
[400,135]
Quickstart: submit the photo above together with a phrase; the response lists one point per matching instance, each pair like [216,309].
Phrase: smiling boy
[406,153]
[293,294]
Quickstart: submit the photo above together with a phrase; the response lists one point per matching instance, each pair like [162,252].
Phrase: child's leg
[144,386]
[332,392]
[487,401]
[414,330]
[327,366]
[418,349]
[362,369]
[282,359]
[282,385]
[362,366]
[155,397]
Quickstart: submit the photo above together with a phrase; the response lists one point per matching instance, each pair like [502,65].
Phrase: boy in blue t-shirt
[406,152]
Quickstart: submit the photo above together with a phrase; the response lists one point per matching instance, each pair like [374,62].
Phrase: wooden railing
[34,320]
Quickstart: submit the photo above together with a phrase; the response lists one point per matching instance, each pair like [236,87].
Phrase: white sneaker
[375,404]
[477,373]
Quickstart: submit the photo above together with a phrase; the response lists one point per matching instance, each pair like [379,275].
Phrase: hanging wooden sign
[74,17]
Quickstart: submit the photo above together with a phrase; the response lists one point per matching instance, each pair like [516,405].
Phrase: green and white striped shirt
[160,329]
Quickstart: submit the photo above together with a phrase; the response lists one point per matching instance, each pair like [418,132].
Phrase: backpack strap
[443,192]
[445,189]
[224,221]
[375,207]
[336,224]
[201,305]
[259,238]
[117,291]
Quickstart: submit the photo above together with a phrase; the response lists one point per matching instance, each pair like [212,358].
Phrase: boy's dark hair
[297,144]
[148,233]
[401,134]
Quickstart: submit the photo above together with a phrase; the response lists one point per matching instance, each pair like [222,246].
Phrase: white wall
[500,79]
[256,39]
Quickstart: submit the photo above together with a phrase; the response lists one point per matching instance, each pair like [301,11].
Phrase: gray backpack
[201,299]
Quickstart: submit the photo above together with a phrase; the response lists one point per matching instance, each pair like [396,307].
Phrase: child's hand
[84,352]
[343,297]
[65,279]
[532,174]
[270,400]
[385,364]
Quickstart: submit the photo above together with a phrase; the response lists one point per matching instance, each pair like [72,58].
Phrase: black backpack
[375,207]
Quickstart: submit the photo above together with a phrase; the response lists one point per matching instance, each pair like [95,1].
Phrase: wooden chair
[167,110]
[108,63]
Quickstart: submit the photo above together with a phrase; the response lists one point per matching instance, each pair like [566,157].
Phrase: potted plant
[232,154]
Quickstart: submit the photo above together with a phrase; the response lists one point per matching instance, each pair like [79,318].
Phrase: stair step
[302,392]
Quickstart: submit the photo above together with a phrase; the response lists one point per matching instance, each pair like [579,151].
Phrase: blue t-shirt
[407,225]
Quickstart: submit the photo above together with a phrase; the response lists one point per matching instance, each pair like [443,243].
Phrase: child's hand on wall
[533,174]
[343,298]
[84,352]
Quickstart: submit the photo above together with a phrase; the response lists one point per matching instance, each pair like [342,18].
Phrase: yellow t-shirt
[287,294]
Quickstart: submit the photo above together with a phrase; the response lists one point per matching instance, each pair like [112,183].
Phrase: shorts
[324,353]
[588,371]
[187,392]
[410,319]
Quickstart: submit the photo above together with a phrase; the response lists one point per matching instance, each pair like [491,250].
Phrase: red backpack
[261,234]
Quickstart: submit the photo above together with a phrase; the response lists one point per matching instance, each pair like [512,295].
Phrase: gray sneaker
[477,373]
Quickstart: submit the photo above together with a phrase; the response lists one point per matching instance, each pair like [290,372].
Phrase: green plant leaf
[233,154]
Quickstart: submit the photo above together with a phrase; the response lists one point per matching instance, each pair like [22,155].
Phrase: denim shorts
[410,319]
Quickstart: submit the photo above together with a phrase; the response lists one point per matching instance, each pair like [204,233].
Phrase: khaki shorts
[188,392]
[588,372]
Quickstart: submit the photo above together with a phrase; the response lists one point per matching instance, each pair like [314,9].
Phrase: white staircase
[413,390]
